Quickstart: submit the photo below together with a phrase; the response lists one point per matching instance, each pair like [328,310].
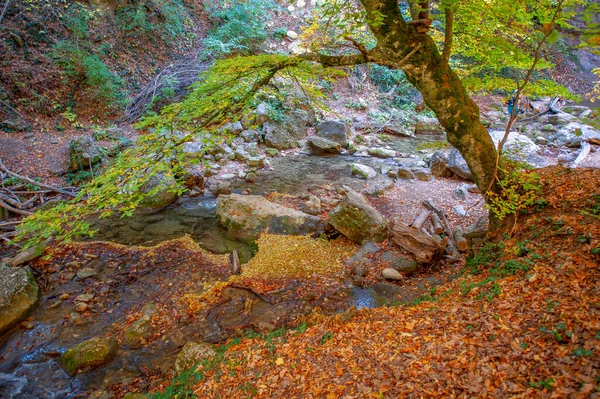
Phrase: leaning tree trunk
[400,45]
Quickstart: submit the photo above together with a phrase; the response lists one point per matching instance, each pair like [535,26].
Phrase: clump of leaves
[520,188]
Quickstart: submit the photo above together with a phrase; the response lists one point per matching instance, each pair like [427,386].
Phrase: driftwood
[585,151]
[234,262]
[424,248]
[556,104]
[593,140]
[420,219]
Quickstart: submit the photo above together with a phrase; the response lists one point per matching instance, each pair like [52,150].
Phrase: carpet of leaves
[524,321]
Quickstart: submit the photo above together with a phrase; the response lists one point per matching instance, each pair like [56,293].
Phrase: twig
[4,11]
[14,210]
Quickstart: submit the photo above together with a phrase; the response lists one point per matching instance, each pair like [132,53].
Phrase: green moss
[89,354]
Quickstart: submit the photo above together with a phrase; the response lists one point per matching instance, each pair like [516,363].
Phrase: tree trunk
[400,45]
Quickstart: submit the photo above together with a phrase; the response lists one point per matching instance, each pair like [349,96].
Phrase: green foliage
[171,18]
[398,90]
[80,64]
[240,27]
[520,188]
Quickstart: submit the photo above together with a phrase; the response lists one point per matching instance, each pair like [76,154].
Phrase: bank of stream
[97,288]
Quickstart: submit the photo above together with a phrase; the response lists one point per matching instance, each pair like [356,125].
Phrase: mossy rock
[88,355]
[358,220]
[191,354]
[18,296]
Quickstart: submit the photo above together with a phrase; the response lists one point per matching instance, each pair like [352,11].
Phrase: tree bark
[441,88]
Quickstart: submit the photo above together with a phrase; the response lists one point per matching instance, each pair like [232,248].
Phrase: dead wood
[424,248]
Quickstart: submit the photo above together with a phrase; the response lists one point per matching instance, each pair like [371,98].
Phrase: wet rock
[335,131]
[322,146]
[358,220]
[192,354]
[360,269]
[362,171]
[18,296]
[141,330]
[392,274]
[75,319]
[83,152]
[222,188]
[381,152]
[89,354]
[247,216]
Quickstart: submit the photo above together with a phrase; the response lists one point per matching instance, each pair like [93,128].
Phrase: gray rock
[335,131]
[322,146]
[251,177]
[86,272]
[192,354]
[247,216]
[18,296]
[83,152]
[89,354]
[567,134]
[459,210]
[262,114]
[422,174]
[249,136]
[575,110]
[458,165]
[541,140]
[377,187]
[381,152]
[520,148]
[241,155]
[356,219]
[561,119]
[232,127]
[405,172]
[361,256]
[392,274]
[285,134]
[438,164]
[312,206]
[460,193]
[362,171]
[405,265]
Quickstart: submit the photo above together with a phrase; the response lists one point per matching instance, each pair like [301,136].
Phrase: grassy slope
[525,322]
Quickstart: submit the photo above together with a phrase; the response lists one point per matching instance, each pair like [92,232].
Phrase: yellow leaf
[279,361]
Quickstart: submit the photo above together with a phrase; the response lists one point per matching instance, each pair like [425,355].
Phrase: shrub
[240,28]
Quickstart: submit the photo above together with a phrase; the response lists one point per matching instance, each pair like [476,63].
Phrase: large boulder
[83,152]
[246,217]
[572,132]
[458,165]
[162,190]
[438,164]
[18,296]
[322,146]
[355,218]
[520,148]
[286,133]
[191,354]
[334,131]
[88,355]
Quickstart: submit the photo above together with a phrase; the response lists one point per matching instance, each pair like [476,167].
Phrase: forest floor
[523,320]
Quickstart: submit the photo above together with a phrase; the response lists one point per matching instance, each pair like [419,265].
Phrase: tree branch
[448,35]
[35,183]
[4,11]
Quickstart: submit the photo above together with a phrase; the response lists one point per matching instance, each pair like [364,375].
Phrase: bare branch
[4,11]
[35,183]
[14,210]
